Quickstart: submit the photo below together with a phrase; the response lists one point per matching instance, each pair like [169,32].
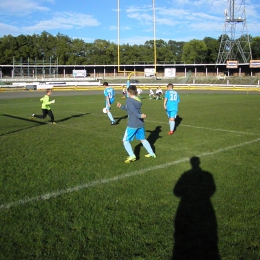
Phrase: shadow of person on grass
[195,224]
[118,119]
[70,117]
[23,127]
[152,138]
[177,122]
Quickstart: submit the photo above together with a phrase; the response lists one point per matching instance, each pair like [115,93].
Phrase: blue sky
[179,20]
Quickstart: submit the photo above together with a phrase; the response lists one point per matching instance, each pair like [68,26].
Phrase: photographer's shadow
[195,224]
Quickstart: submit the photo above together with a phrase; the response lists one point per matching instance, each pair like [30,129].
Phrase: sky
[139,20]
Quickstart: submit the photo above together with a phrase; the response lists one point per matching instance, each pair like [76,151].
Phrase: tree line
[67,51]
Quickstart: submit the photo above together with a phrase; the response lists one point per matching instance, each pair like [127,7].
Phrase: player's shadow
[195,224]
[70,117]
[178,120]
[118,119]
[152,138]
[32,123]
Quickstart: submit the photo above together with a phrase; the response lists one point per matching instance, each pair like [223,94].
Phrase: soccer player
[151,94]
[109,94]
[171,104]
[124,92]
[139,92]
[158,93]
[135,125]
[46,110]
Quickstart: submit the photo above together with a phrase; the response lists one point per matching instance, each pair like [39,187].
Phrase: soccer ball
[104,110]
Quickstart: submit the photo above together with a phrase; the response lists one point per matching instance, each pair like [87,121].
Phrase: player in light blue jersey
[109,94]
[127,86]
[171,104]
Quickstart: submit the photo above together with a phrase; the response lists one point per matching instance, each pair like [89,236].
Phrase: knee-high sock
[128,148]
[110,117]
[147,147]
[172,125]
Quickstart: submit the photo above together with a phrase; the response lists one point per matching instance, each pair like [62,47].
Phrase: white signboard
[149,72]
[79,73]
[170,72]
[232,64]
[254,63]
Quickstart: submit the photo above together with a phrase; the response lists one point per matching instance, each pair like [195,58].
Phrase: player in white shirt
[151,94]
[158,93]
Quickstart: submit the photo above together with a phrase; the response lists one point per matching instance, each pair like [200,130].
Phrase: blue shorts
[131,133]
[172,114]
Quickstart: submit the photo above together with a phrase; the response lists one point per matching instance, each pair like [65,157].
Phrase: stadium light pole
[154,36]
[118,34]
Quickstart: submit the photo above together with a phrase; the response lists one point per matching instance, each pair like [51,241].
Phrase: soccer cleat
[113,123]
[170,132]
[32,117]
[150,155]
[130,159]
[53,123]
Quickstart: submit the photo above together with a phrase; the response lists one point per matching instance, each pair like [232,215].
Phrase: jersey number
[173,97]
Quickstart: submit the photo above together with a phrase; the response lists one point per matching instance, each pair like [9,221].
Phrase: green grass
[66,192]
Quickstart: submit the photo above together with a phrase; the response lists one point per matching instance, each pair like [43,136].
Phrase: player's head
[132,90]
[105,84]
[170,86]
[48,91]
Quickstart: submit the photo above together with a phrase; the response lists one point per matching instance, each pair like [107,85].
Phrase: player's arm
[164,102]
[123,107]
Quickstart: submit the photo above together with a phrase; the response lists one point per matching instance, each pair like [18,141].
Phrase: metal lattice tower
[235,42]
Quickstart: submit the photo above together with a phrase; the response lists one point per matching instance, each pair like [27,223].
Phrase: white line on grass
[190,126]
[207,128]
[116,178]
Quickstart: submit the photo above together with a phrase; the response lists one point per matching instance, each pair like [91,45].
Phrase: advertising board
[79,73]
[170,72]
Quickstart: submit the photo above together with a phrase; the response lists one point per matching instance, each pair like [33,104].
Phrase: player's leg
[50,114]
[44,114]
[110,116]
[129,136]
[172,116]
[172,124]
[140,135]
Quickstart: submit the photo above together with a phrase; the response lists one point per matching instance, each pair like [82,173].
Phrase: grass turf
[66,192]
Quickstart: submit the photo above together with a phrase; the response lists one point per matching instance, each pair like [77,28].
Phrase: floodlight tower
[235,42]
[154,36]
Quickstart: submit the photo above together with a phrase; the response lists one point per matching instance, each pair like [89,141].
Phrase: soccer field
[66,192]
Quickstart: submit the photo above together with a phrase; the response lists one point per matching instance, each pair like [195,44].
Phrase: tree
[176,48]
[8,47]
[212,49]
[255,47]
[194,51]
[63,48]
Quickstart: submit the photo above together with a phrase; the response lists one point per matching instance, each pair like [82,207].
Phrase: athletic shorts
[131,133]
[172,114]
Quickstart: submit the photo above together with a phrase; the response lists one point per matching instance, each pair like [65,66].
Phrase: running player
[46,110]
